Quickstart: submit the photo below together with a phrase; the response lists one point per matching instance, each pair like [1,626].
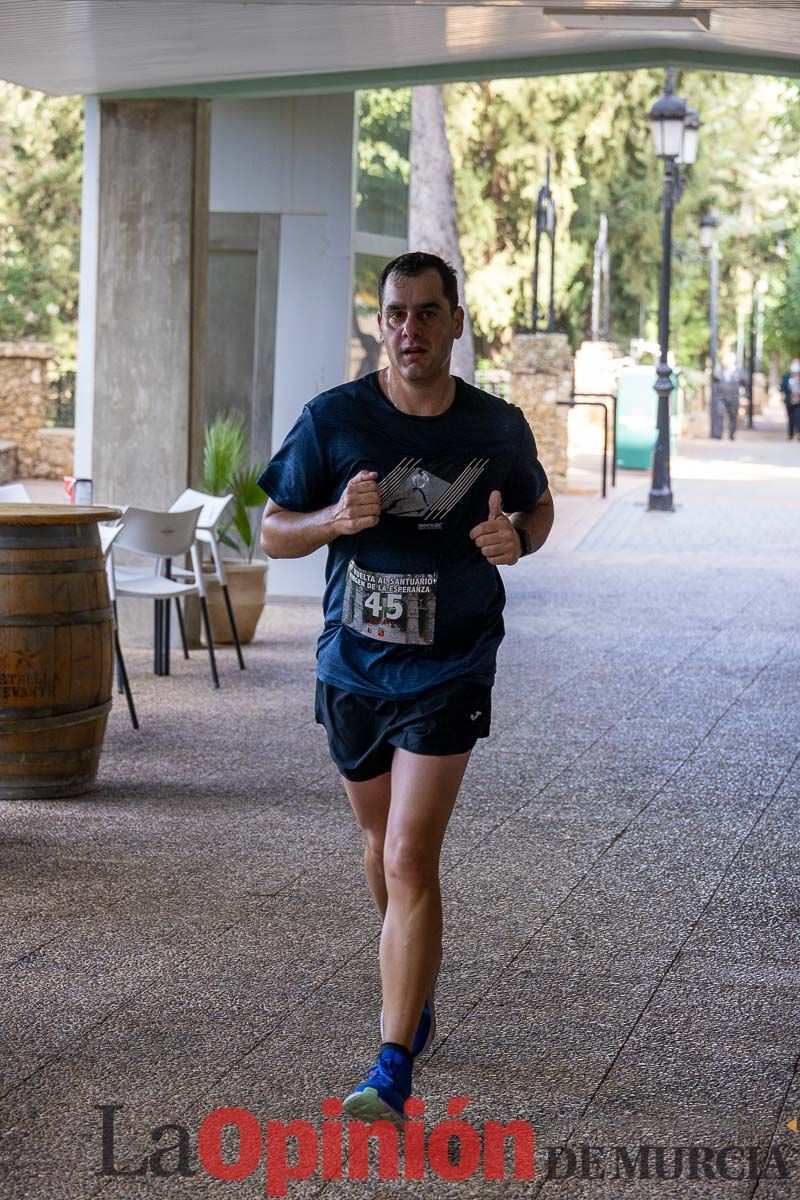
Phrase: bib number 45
[386,606]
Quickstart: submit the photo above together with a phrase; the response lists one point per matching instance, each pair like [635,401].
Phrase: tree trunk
[432,222]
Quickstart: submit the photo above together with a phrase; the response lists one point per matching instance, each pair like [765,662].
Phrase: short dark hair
[415,263]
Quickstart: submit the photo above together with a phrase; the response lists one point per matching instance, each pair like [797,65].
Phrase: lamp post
[675,134]
[763,289]
[708,241]
[751,353]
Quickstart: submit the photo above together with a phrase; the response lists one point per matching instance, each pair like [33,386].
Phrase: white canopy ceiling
[263,47]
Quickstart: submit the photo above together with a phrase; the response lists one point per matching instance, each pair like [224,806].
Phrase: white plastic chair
[207,532]
[163,536]
[14,493]
[108,534]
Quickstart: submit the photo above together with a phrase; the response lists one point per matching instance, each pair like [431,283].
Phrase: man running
[413,614]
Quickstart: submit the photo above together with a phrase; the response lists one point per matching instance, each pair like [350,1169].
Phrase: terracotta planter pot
[246,586]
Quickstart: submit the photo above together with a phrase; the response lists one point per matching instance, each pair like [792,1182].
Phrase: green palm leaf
[223,453]
[225,470]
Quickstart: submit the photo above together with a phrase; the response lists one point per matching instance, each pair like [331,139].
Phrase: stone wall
[8,462]
[56,451]
[41,453]
[541,376]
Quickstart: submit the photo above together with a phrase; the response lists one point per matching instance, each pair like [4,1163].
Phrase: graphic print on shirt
[390,607]
[410,490]
[401,608]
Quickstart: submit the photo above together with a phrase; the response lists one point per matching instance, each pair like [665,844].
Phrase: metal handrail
[612,396]
[575,403]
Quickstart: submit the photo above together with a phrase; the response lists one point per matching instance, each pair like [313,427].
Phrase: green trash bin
[637,411]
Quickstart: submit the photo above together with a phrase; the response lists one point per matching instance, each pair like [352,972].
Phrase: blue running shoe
[385,1090]
[426,1029]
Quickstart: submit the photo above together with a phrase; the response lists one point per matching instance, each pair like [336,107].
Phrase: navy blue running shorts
[363,731]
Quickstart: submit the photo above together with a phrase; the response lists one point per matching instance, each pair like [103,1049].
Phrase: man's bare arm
[286,534]
[539,521]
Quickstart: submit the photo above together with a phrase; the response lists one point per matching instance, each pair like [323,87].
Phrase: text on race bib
[390,607]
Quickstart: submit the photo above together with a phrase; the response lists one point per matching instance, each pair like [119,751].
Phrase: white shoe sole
[368,1106]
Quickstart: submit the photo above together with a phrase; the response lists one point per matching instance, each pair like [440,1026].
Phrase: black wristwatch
[525,541]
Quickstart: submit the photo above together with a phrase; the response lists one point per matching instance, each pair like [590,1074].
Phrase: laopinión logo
[453,1149]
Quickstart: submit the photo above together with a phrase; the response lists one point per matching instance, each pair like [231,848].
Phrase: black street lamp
[675,134]
[751,354]
[708,241]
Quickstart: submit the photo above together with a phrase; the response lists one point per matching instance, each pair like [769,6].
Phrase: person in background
[790,390]
[728,381]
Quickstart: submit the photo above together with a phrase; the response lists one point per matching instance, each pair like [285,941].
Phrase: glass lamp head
[691,138]
[667,119]
[708,228]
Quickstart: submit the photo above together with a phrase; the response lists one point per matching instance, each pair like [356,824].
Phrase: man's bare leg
[423,792]
[370,802]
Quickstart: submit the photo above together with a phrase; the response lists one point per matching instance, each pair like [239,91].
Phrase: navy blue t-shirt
[411,602]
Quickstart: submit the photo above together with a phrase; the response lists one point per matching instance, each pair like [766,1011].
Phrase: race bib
[390,608]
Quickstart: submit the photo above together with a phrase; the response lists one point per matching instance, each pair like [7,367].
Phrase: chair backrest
[14,493]
[212,507]
[159,534]
[108,534]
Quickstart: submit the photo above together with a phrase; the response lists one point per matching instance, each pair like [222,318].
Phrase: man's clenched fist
[359,505]
[497,538]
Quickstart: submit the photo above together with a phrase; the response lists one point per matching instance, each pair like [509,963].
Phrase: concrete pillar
[149,327]
[294,157]
[541,376]
[87,302]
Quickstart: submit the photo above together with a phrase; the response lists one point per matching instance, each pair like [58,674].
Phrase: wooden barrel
[56,649]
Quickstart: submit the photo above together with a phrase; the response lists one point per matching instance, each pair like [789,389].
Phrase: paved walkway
[621,883]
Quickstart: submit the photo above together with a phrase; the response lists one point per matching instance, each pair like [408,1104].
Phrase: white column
[87,306]
[311,341]
[295,157]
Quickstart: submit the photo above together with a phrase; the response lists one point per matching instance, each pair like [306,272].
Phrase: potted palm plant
[226,469]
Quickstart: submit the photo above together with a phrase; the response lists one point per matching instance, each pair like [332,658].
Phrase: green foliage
[384,124]
[598,128]
[782,318]
[225,469]
[41,147]
[749,171]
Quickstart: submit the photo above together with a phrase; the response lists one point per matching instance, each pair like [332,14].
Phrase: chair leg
[232,621]
[166,609]
[158,630]
[183,628]
[209,640]
[118,672]
[123,675]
